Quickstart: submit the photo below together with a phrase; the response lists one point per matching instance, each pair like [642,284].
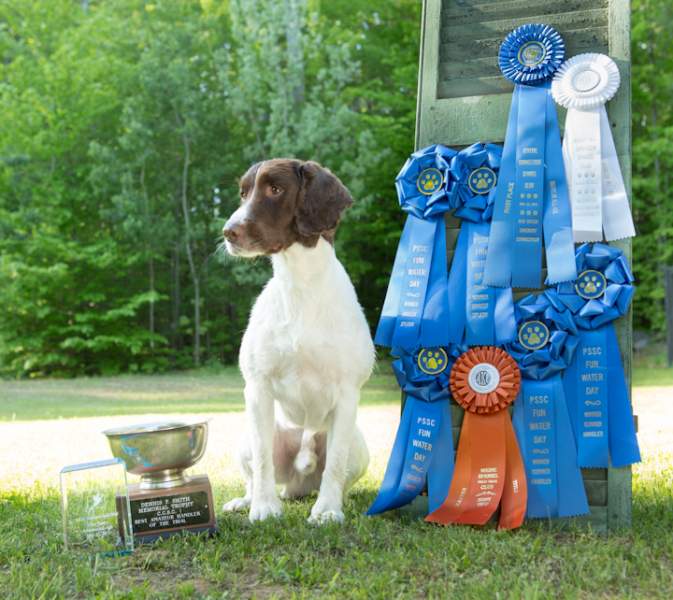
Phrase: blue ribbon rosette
[595,385]
[423,448]
[415,311]
[545,346]
[479,315]
[532,194]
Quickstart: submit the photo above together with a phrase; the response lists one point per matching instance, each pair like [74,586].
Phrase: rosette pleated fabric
[595,385]
[531,201]
[583,85]
[545,347]
[489,472]
[415,311]
[423,449]
[479,315]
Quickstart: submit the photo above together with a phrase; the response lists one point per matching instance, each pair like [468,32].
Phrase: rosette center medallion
[585,81]
[482,180]
[429,181]
[484,378]
[532,53]
[591,284]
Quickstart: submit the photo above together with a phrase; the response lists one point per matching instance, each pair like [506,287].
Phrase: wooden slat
[594,39]
[469,67]
[467,11]
[499,28]
[619,111]
[597,492]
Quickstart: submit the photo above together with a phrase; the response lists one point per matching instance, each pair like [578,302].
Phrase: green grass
[649,367]
[392,556]
[382,557]
[188,392]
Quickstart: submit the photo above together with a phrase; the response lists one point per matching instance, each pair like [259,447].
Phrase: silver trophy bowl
[159,452]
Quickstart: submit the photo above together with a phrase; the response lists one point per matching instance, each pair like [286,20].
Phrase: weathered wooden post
[668,291]
[463,98]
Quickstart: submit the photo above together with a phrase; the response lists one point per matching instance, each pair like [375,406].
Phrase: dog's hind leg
[245,464]
[358,459]
[305,472]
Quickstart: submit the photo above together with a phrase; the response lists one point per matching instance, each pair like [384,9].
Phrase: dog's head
[284,201]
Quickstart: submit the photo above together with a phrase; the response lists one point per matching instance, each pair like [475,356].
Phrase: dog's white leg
[328,506]
[259,408]
[245,464]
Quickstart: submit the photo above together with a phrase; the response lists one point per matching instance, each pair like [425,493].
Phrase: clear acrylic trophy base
[95,508]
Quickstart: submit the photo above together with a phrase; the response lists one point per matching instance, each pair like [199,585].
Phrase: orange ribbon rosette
[489,471]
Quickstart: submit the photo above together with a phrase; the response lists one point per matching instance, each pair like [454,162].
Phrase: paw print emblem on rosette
[595,385]
[544,348]
[415,310]
[531,201]
[479,315]
[488,472]
[422,453]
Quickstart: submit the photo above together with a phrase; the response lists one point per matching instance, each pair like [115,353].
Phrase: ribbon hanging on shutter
[531,201]
[583,85]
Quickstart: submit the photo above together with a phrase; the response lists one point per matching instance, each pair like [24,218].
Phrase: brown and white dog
[307,349]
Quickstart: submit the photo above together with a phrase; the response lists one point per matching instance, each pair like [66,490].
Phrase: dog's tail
[306,460]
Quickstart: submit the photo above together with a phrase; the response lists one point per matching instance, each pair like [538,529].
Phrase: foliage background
[126,124]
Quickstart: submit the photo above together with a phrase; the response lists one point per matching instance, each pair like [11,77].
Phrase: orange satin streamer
[479,473]
[488,469]
[515,493]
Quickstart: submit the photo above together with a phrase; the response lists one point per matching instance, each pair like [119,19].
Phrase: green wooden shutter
[463,98]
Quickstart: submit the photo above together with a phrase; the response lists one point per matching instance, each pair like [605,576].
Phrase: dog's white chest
[308,341]
[301,360]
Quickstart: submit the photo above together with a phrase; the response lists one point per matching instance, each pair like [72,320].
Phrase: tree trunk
[150,253]
[184,202]
[176,293]
[295,51]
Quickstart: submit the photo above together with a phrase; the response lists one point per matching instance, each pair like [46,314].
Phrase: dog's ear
[323,199]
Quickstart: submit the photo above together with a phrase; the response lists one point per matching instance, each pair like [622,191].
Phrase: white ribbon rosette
[583,84]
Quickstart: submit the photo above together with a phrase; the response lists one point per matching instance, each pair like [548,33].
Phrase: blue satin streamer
[531,197]
[423,448]
[479,315]
[544,433]
[528,193]
[595,384]
[415,311]
[624,449]
[498,270]
[541,415]
[598,400]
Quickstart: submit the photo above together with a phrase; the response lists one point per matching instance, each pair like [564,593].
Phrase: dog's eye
[274,190]
[242,193]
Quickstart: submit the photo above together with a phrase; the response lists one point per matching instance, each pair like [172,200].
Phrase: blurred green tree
[126,127]
[652,89]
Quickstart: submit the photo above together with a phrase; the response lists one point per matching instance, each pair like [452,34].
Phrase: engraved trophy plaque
[165,501]
[94,503]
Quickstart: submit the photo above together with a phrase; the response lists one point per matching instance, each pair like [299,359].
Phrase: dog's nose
[230,233]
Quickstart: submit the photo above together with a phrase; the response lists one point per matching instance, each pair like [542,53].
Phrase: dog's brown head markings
[284,201]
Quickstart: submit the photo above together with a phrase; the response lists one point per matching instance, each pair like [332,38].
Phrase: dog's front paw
[325,512]
[236,504]
[329,516]
[263,509]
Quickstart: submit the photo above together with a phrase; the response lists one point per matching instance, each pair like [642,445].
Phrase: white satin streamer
[583,84]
